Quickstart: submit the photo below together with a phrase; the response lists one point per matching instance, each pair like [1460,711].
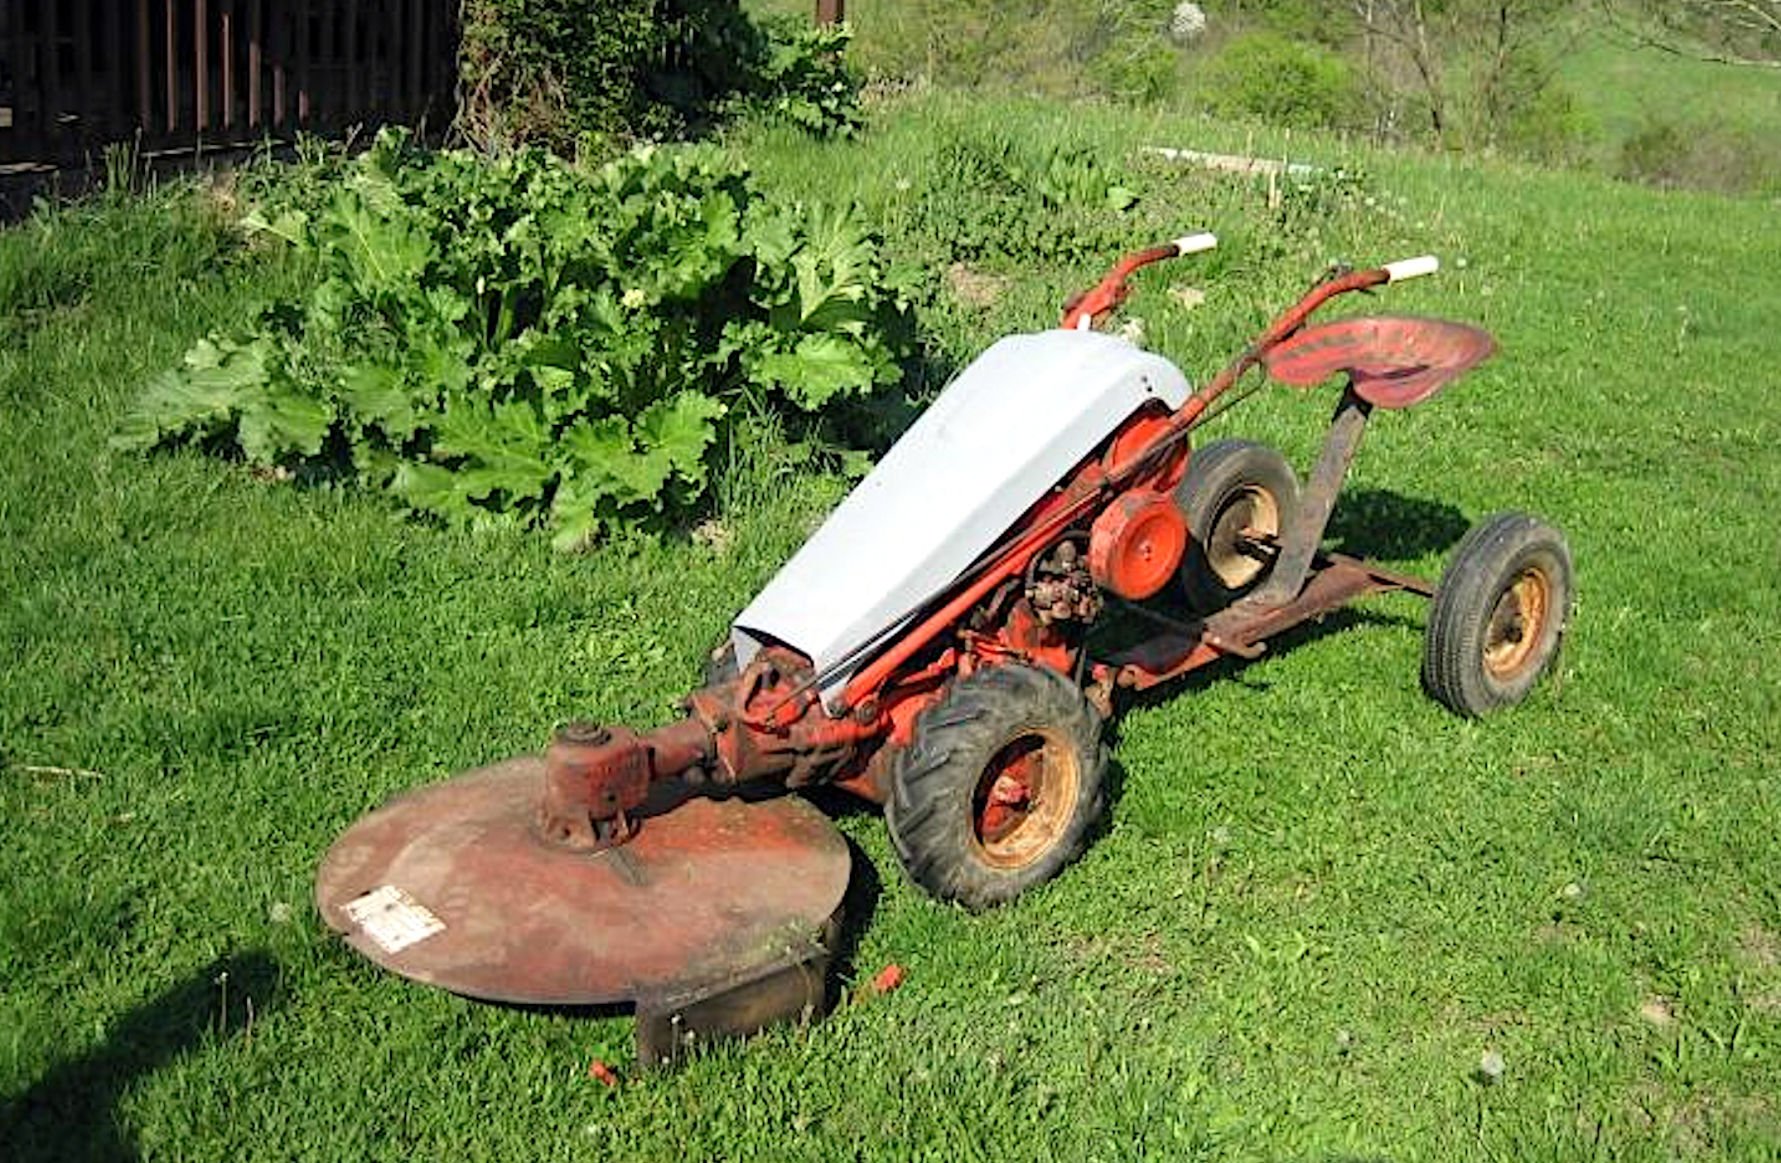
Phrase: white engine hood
[996,440]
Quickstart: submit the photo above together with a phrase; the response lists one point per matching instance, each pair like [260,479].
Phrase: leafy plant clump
[989,196]
[520,339]
[557,72]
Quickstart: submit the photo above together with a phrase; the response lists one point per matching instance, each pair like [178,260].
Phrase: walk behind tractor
[942,646]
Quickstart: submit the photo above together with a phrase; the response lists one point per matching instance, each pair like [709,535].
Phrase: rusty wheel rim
[1518,624]
[1025,798]
[1251,511]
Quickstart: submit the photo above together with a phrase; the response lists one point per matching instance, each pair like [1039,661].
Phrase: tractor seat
[1393,361]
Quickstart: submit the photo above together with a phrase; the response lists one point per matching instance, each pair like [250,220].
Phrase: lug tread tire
[1487,559]
[932,782]
[1214,472]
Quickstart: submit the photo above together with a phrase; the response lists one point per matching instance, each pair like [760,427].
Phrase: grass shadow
[70,1113]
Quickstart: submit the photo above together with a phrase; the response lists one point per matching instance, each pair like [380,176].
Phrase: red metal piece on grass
[888,978]
[1395,360]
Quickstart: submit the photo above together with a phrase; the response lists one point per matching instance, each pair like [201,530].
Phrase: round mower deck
[722,908]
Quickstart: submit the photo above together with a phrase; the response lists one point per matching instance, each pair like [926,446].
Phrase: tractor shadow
[70,1113]
[1382,524]
[1236,670]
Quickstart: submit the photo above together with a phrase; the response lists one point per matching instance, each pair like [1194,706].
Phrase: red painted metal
[708,893]
[1136,543]
[1394,361]
[1243,629]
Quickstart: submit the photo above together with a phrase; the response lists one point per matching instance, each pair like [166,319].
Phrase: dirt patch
[1759,948]
[1697,1122]
[1659,1011]
[715,536]
[975,288]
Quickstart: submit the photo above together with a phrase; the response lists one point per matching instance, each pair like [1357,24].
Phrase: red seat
[1394,361]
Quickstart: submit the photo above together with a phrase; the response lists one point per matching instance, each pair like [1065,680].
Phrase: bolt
[582,731]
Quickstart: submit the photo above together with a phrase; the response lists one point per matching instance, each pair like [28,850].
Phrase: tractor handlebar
[1083,308]
[1411,268]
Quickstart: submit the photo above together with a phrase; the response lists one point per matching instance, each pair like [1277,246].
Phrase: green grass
[1728,118]
[1319,900]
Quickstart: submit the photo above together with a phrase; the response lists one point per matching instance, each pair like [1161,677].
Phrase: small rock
[1491,1067]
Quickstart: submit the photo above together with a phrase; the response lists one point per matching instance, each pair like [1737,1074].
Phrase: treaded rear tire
[1499,615]
[937,813]
[1227,483]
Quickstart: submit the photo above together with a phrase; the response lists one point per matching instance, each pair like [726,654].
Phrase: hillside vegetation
[1326,919]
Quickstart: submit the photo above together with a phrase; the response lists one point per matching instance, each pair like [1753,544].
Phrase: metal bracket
[1299,543]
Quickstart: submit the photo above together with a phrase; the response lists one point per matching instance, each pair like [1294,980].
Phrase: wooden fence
[190,75]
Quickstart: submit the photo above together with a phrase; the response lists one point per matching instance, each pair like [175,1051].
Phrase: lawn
[1326,919]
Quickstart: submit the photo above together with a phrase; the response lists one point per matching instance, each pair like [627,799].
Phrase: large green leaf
[681,429]
[200,397]
[386,255]
[600,459]
[818,369]
[283,420]
[504,447]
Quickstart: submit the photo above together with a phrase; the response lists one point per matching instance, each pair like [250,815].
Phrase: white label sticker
[392,918]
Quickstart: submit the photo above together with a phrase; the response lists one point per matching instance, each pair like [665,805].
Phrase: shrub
[1672,154]
[989,195]
[1267,76]
[525,340]
[556,72]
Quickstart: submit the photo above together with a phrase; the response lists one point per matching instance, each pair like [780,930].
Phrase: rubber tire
[930,813]
[1215,475]
[1491,556]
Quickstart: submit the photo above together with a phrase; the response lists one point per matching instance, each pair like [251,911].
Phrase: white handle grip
[1195,243]
[1411,268]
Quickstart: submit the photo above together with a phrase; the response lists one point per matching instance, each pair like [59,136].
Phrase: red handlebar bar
[1083,308]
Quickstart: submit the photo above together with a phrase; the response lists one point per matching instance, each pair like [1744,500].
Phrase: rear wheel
[1499,614]
[1234,490]
[999,788]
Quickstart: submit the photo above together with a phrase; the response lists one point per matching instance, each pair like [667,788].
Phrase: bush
[990,195]
[525,340]
[1672,154]
[557,72]
[1280,81]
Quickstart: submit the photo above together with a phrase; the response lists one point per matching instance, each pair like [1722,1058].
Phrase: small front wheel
[1000,786]
[1499,614]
